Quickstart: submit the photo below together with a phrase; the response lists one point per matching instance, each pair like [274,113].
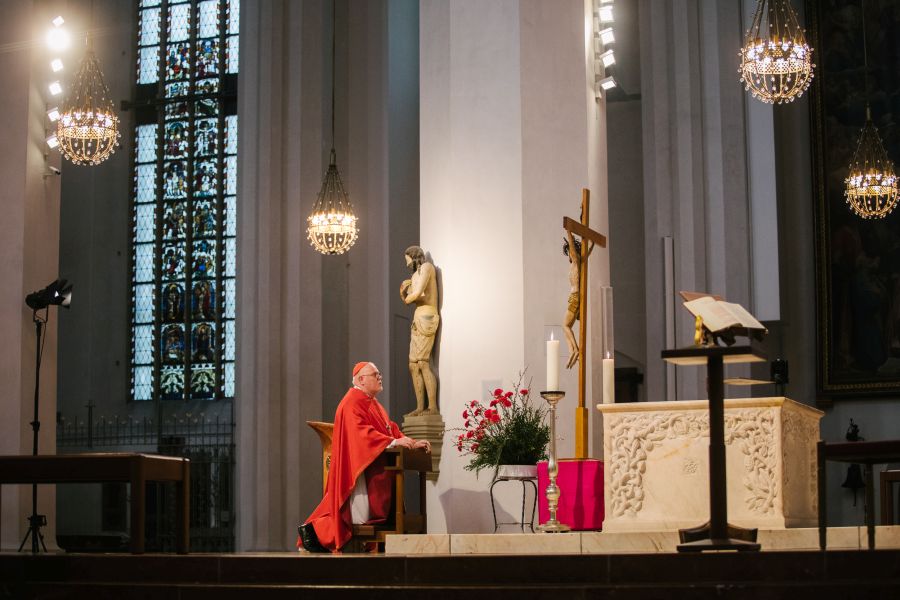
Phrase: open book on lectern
[723,319]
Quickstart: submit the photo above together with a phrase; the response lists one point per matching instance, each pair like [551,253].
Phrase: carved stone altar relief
[657,466]
[634,437]
[801,434]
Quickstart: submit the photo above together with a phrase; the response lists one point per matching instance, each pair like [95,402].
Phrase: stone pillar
[279,378]
[29,246]
[304,318]
[695,173]
[510,134]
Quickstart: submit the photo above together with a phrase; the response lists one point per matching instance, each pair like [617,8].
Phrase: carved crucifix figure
[585,234]
[572,250]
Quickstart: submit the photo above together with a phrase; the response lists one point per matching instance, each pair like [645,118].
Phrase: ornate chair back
[325,431]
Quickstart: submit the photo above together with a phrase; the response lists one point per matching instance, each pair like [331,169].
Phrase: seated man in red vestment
[358,488]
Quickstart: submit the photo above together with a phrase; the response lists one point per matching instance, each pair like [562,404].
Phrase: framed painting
[857,260]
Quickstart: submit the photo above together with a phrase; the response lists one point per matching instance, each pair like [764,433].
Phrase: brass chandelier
[776,61]
[331,228]
[871,184]
[88,128]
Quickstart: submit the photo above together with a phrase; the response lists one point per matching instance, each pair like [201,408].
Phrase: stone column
[29,247]
[279,379]
[304,318]
[510,134]
[696,189]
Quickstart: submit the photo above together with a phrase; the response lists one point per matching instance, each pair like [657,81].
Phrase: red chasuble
[362,431]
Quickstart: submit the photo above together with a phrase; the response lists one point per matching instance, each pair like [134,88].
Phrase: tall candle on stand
[609,379]
[552,364]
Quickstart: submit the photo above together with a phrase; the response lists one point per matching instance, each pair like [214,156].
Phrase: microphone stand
[36,521]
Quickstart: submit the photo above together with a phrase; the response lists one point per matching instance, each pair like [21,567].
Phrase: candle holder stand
[553,525]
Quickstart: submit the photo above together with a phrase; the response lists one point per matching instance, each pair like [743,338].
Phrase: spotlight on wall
[58,21]
[57,65]
[55,294]
[606,14]
[607,83]
[52,142]
[58,39]
[55,88]
[608,58]
[53,114]
[607,36]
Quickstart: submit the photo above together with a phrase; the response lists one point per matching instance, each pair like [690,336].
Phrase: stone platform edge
[593,542]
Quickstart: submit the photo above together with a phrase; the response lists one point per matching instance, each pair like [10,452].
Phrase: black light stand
[36,521]
[59,295]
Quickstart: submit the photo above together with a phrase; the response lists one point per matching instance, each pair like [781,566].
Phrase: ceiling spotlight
[58,21]
[607,36]
[55,88]
[608,59]
[56,64]
[607,83]
[58,39]
[606,14]
[55,294]
[52,142]
[53,114]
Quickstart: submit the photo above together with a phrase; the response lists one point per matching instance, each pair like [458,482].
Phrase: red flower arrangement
[509,431]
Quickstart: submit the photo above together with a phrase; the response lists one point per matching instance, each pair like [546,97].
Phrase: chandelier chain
[871,185]
[331,228]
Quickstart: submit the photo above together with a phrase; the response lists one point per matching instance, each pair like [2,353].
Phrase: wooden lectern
[717,533]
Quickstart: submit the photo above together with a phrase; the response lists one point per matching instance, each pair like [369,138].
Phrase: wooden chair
[399,460]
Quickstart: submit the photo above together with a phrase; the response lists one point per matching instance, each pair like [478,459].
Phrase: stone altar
[656,464]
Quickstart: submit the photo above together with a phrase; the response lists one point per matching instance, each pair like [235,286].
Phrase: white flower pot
[517,472]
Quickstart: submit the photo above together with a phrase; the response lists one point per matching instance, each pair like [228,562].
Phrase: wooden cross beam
[587,235]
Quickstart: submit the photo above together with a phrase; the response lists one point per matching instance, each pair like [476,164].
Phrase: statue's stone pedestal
[427,427]
[656,463]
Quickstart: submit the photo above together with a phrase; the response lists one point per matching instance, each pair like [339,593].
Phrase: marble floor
[592,542]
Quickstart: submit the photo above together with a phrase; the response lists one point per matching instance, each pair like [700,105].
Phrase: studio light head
[55,294]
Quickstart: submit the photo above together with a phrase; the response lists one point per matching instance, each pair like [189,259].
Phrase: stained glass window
[184,215]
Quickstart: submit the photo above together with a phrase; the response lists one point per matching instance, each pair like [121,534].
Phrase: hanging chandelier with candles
[871,185]
[88,128]
[776,61]
[331,228]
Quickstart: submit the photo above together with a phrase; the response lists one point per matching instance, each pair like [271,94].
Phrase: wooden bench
[136,469]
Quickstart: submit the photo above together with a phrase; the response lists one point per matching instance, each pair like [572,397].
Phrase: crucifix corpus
[578,252]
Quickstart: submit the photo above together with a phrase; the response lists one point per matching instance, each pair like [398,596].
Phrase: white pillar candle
[609,381]
[552,365]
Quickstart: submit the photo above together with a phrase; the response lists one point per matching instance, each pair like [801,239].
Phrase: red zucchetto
[358,367]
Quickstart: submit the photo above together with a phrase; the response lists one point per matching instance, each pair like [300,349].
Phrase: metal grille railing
[208,443]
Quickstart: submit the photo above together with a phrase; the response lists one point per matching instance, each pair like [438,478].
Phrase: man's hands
[408,442]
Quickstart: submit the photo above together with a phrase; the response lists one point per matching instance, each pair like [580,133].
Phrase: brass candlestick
[552,525]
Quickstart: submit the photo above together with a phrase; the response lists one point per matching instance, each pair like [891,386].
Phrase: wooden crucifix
[578,256]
